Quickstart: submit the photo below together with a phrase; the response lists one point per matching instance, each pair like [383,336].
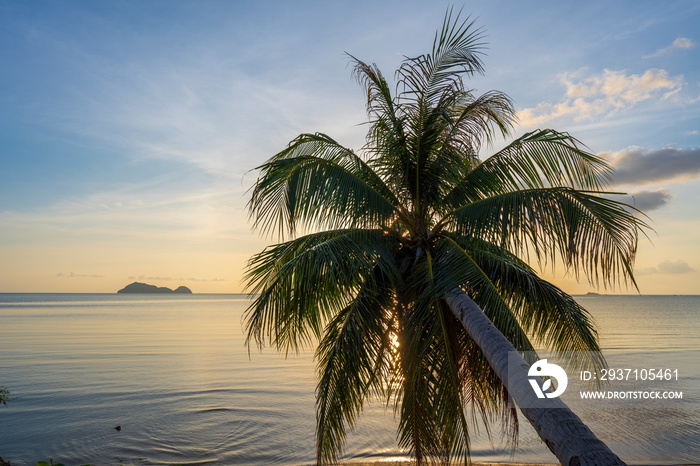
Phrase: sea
[165,379]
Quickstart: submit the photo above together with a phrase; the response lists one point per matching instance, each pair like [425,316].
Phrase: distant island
[137,287]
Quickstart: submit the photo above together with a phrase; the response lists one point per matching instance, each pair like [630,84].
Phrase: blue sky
[128,129]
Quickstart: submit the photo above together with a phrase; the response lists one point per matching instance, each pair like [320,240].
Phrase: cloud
[680,43]
[602,95]
[144,277]
[668,268]
[217,113]
[650,200]
[645,200]
[166,213]
[78,275]
[205,280]
[181,279]
[692,133]
[638,165]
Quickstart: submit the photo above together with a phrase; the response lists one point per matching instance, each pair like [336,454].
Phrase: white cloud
[680,43]
[78,275]
[668,268]
[602,95]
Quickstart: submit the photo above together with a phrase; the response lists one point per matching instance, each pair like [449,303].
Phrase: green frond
[443,371]
[456,53]
[318,183]
[420,430]
[379,99]
[386,138]
[299,284]
[586,230]
[554,319]
[539,159]
[456,267]
[461,132]
[354,359]
[443,374]
[478,121]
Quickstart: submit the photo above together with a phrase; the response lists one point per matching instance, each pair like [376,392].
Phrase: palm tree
[403,260]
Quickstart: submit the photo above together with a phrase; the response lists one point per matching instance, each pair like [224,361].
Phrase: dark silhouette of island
[137,287]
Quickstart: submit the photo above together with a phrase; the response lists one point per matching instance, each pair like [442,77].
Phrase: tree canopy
[372,242]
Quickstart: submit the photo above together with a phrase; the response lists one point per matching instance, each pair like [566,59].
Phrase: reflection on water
[173,371]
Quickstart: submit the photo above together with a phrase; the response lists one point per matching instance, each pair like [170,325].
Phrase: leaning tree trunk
[571,441]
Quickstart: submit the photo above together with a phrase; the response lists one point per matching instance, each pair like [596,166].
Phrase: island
[137,287]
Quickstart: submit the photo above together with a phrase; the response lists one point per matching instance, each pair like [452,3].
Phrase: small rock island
[137,287]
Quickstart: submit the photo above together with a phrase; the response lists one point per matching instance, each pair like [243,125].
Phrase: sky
[130,130]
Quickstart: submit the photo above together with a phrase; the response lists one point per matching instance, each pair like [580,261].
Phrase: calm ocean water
[173,372]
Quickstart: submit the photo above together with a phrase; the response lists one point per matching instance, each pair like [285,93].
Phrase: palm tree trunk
[571,441]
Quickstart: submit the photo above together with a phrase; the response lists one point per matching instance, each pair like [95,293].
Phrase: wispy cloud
[144,277]
[599,96]
[638,165]
[181,279]
[78,275]
[680,43]
[222,100]
[205,279]
[220,114]
[668,267]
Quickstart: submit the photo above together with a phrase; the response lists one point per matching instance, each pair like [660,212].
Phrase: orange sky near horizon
[130,138]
